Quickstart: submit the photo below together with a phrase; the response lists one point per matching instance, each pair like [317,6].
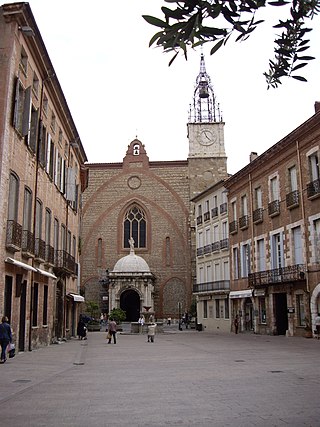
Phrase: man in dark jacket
[5,337]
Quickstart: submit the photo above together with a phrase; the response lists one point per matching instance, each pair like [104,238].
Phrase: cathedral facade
[143,207]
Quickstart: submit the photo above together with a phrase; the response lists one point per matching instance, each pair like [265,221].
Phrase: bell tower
[207,157]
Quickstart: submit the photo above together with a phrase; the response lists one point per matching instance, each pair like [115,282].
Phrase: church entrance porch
[130,303]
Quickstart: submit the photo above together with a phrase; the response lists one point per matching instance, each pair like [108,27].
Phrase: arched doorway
[59,310]
[130,303]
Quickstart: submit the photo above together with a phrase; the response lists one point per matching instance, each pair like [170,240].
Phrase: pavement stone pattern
[185,378]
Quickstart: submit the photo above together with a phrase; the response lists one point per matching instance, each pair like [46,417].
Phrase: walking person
[236,324]
[5,337]
[151,332]
[112,330]
[81,329]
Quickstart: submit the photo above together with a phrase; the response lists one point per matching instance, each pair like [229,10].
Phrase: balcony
[313,189]
[27,246]
[292,273]
[49,257]
[233,227]
[292,199]
[207,249]
[65,262]
[200,251]
[215,247]
[206,216]
[14,236]
[257,215]
[223,208]
[224,244]
[214,212]
[40,249]
[274,208]
[199,220]
[220,285]
[244,222]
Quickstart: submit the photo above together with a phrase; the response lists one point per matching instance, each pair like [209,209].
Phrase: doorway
[22,291]
[59,310]
[281,313]
[248,317]
[130,303]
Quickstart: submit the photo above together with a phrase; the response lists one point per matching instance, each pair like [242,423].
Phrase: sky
[117,88]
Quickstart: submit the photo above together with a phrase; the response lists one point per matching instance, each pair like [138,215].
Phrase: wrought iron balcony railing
[40,249]
[224,244]
[206,216]
[200,251]
[65,262]
[207,249]
[214,212]
[215,246]
[292,273]
[292,199]
[49,258]
[220,285]
[27,242]
[257,215]
[244,222]
[199,220]
[274,208]
[223,208]
[13,236]
[313,188]
[233,227]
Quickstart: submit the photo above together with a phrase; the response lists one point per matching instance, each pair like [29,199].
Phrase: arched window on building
[135,226]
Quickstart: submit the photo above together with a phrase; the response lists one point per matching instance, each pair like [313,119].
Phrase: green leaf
[172,59]
[300,78]
[299,66]
[216,46]
[154,21]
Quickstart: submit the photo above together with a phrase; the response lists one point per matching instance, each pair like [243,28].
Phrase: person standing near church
[151,332]
[112,330]
[141,323]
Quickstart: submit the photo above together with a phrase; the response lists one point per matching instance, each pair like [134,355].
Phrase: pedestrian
[236,324]
[81,328]
[5,337]
[317,323]
[151,332]
[112,330]
[169,321]
[141,323]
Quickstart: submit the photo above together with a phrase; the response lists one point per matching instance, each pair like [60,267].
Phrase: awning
[46,273]
[20,264]
[76,297]
[247,293]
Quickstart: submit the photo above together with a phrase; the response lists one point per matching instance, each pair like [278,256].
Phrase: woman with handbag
[5,337]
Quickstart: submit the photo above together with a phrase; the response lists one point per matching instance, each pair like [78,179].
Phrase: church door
[130,303]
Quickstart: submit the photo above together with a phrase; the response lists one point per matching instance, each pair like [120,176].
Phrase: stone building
[212,259]
[274,224]
[41,157]
[149,201]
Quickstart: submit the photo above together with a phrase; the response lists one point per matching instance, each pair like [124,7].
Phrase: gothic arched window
[134,226]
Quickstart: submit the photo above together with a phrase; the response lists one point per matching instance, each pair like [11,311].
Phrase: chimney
[254,155]
[316,106]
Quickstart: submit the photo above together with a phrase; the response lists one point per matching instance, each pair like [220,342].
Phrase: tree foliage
[190,23]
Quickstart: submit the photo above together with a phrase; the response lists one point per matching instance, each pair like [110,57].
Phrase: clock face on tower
[207,137]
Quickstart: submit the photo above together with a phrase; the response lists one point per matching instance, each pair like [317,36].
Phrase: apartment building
[274,224]
[212,285]
[41,180]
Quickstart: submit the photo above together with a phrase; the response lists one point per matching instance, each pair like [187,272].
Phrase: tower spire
[204,108]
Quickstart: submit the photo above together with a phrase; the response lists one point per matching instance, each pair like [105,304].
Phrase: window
[215,202]
[208,238]
[27,209]
[53,122]
[209,273]
[277,251]
[226,309]
[48,227]
[22,109]
[316,229]
[245,260]
[74,246]
[24,61]
[69,242]
[63,237]
[297,245]
[258,198]
[135,226]
[262,310]
[56,234]
[217,272]
[215,233]
[45,105]
[35,295]
[235,263]
[199,210]
[38,225]
[13,197]
[226,270]
[207,208]
[8,297]
[244,205]
[224,230]
[293,181]
[136,150]
[300,310]
[274,189]
[200,240]
[201,275]
[168,251]
[217,301]
[234,210]
[45,305]
[35,85]
[205,309]
[314,167]
[261,256]
[49,156]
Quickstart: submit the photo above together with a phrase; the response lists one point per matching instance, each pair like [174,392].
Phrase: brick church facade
[150,202]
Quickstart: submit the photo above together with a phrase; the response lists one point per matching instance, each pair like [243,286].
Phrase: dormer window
[136,150]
